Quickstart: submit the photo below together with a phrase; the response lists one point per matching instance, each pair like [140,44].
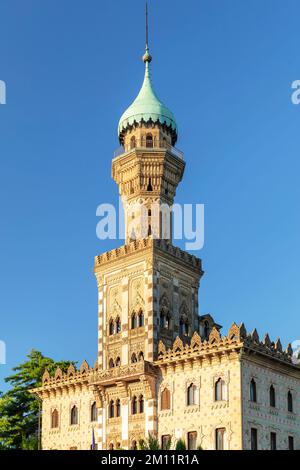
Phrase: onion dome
[147,108]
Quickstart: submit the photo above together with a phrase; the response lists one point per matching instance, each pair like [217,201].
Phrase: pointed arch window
[141,404]
[118,362]
[54,419]
[134,405]
[133,358]
[111,364]
[74,415]
[149,187]
[220,390]
[191,394]
[183,327]
[141,319]
[118,325]
[134,445]
[94,412]
[165,319]
[149,140]
[133,320]
[111,409]
[290,404]
[118,408]
[141,356]
[220,438]
[206,330]
[132,142]
[111,327]
[165,399]
[272,397]
[253,391]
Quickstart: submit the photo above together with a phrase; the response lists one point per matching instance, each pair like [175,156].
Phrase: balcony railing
[142,145]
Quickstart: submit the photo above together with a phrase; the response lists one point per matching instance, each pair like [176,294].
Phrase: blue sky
[225,68]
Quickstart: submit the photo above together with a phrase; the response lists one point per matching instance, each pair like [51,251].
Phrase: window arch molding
[220,389]
[74,415]
[192,391]
[93,412]
[225,385]
[54,418]
[165,399]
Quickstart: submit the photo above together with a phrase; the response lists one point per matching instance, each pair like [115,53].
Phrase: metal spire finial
[147,57]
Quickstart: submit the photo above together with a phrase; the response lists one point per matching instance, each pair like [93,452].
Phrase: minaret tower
[148,168]
[148,289]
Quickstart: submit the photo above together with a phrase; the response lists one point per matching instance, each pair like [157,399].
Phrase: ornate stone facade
[162,368]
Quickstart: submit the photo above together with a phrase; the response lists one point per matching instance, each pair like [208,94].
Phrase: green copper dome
[147,106]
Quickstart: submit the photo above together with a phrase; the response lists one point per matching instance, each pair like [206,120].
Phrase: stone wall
[261,415]
[207,414]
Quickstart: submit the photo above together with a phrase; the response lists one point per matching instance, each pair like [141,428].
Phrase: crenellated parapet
[148,243]
[71,377]
[237,338]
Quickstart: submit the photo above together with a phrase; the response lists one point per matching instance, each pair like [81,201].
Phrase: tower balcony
[142,145]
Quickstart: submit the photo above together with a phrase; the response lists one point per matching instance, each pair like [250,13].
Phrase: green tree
[151,443]
[180,445]
[19,409]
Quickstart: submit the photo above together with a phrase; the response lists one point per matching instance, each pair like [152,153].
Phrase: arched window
[141,404]
[290,402]
[164,319]
[206,330]
[54,419]
[133,321]
[118,408]
[149,141]
[191,395]
[220,390]
[165,399]
[149,187]
[220,438]
[272,397]
[141,356]
[118,325]
[133,445]
[141,318]
[134,405]
[132,142]
[111,327]
[111,409]
[253,391]
[111,363]
[183,327]
[94,412]
[118,362]
[133,358]
[74,415]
